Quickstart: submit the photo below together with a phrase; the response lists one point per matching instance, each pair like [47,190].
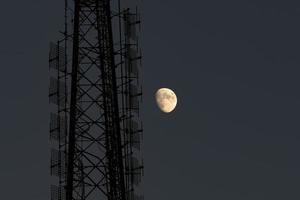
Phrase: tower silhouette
[94,91]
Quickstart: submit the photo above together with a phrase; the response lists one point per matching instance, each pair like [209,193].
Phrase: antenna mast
[95,129]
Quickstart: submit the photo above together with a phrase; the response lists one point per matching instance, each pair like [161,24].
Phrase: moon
[166,99]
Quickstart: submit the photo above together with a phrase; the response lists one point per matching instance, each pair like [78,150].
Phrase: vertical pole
[116,104]
[75,64]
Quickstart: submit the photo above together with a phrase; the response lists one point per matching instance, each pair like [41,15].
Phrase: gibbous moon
[166,99]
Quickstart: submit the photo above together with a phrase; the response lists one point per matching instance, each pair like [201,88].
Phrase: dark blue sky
[235,68]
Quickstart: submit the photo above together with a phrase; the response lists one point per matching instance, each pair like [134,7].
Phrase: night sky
[234,66]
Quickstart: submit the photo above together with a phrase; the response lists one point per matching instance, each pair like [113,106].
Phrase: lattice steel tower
[94,91]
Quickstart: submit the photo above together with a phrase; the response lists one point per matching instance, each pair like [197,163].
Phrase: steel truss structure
[95,130]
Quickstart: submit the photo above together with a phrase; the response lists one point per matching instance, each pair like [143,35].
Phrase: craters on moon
[166,99]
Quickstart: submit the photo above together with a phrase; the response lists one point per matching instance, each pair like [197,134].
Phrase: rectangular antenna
[57,57]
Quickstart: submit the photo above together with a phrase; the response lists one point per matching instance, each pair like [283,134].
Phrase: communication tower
[95,94]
